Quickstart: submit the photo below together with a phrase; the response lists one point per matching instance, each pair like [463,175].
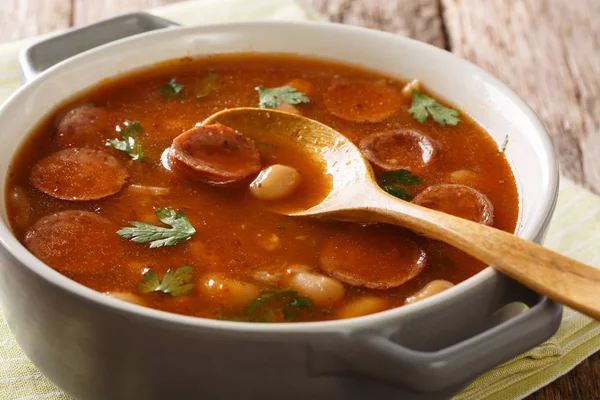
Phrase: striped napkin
[574,231]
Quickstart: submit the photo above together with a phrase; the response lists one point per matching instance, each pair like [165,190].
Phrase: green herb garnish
[265,297]
[281,227]
[132,129]
[207,85]
[504,144]
[258,310]
[400,177]
[392,182]
[175,283]
[273,97]
[171,88]
[423,105]
[158,236]
[397,191]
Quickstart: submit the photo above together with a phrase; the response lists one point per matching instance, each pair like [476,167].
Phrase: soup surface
[124,191]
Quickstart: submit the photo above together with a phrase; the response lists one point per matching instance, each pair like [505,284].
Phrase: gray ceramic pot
[96,347]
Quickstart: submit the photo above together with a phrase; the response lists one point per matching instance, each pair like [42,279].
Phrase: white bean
[433,287]
[275,182]
[322,290]
[128,297]
[268,242]
[287,107]
[20,202]
[363,306]
[148,190]
[463,176]
[232,293]
[407,90]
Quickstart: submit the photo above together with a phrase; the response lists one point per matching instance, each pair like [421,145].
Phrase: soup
[124,191]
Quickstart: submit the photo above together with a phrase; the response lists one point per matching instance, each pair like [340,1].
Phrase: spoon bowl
[339,157]
[356,196]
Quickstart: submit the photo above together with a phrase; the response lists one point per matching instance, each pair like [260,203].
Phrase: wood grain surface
[548,51]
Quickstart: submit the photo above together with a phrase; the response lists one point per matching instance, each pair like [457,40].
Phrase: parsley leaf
[258,310]
[265,297]
[158,236]
[171,88]
[272,97]
[397,191]
[132,128]
[504,144]
[400,177]
[207,85]
[423,105]
[300,302]
[175,283]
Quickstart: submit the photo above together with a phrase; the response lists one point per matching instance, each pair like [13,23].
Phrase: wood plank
[25,18]
[547,52]
[418,19]
[88,11]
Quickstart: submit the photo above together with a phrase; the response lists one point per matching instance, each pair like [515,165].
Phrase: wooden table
[548,51]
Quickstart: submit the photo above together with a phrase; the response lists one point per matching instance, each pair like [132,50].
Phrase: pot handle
[36,58]
[413,356]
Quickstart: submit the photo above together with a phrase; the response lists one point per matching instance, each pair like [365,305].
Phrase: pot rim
[537,225]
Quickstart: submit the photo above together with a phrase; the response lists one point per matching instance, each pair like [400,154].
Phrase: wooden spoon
[356,196]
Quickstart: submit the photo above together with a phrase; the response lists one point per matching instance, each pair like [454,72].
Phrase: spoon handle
[553,275]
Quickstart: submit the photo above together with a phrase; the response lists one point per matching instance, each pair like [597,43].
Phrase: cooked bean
[215,154]
[267,277]
[322,290]
[83,126]
[269,242]
[459,200]
[275,182]
[398,149]
[287,107]
[22,208]
[463,176]
[79,174]
[128,297]
[362,100]
[433,287]
[230,293]
[375,257]
[52,239]
[363,306]
[411,86]
[149,190]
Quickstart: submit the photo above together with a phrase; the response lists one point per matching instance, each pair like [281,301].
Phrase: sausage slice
[215,154]
[398,149]
[52,239]
[79,174]
[84,126]
[362,100]
[459,200]
[375,257]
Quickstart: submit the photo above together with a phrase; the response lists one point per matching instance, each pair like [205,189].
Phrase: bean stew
[125,191]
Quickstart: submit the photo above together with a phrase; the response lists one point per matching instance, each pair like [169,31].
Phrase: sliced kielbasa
[84,126]
[459,200]
[362,100]
[398,149]
[374,256]
[52,239]
[215,154]
[79,174]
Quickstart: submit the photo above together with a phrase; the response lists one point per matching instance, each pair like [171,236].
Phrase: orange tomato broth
[234,231]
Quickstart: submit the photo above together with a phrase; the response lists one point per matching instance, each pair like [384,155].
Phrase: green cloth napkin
[574,231]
